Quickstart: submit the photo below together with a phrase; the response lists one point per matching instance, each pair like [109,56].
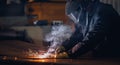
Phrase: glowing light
[15,58]
[57,35]
[5,57]
[47,55]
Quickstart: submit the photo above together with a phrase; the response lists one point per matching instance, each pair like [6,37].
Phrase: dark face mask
[85,3]
[72,5]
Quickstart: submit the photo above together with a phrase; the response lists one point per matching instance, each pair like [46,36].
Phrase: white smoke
[58,34]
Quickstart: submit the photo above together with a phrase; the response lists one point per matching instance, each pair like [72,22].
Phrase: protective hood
[73,5]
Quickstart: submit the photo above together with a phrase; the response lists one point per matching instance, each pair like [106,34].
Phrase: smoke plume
[58,34]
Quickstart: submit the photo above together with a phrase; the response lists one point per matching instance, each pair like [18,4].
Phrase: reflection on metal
[8,58]
[4,57]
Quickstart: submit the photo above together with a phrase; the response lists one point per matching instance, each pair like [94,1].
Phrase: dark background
[12,9]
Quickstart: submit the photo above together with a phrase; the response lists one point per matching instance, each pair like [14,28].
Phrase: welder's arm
[91,40]
[107,20]
[74,39]
[69,43]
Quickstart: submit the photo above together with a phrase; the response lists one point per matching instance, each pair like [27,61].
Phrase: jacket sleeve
[73,40]
[97,35]
[91,40]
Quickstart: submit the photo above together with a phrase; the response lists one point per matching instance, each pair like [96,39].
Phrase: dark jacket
[98,31]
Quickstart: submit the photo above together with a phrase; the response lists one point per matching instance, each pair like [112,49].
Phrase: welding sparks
[58,34]
[39,54]
[56,37]
[47,55]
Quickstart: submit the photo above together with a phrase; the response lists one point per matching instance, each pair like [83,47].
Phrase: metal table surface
[11,54]
[4,60]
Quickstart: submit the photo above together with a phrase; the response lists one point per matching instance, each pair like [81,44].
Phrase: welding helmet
[73,5]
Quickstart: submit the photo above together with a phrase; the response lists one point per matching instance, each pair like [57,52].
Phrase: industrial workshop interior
[59,32]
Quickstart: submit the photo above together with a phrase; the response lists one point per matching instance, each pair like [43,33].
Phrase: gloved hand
[62,55]
[60,49]
[76,47]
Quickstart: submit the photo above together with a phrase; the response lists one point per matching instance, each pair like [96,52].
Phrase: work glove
[62,55]
[60,49]
[76,47]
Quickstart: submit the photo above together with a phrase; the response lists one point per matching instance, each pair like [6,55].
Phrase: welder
[95,30]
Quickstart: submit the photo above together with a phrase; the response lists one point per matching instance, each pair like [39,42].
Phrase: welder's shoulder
[107,11]
[107,8]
